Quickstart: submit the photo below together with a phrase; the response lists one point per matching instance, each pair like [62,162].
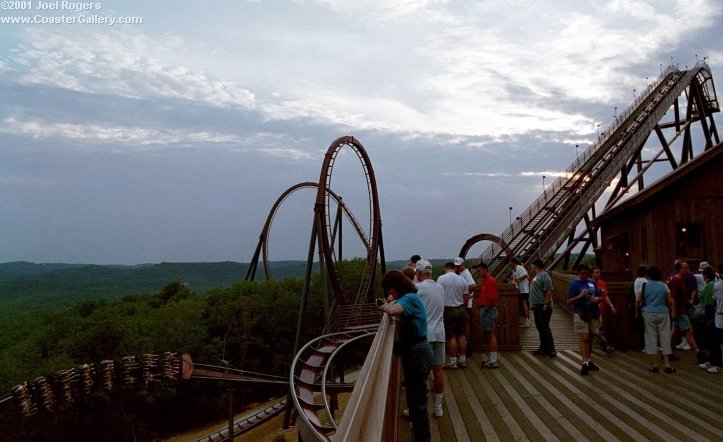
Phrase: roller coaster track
[46,393]
[247,423]
[553,218]
[322,209]
[313,384]
[263,245]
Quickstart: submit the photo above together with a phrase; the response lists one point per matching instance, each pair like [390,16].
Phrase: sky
[137,132]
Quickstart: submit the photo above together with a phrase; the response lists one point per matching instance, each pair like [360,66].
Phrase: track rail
[554,216]
[313,384]
[375,249]
[46,393]
[247,423]
[263,245]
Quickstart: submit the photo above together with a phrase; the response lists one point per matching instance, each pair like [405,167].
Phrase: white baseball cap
[458,261]
[423,265]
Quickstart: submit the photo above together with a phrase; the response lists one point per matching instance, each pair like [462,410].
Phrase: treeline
[29,288]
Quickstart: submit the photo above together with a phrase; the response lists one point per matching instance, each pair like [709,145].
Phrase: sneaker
[462,364]
[584,370]
[670,370]
[450,366]
[490,364]
[609,350]
[405,412]
[706,365]
[438,411]
[714,369]
[683,346]
[592,367]
[552,354]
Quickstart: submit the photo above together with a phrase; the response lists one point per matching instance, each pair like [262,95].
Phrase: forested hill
[27,288]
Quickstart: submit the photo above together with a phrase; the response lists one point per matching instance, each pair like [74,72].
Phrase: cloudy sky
[170,137]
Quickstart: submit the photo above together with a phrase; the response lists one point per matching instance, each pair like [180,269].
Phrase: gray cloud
[171,141]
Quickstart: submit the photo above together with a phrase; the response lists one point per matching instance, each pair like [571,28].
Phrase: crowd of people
[687,307]
[435,317]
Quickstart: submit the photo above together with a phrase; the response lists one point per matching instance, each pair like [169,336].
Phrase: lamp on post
[577,152]
[510,216]
[543,185]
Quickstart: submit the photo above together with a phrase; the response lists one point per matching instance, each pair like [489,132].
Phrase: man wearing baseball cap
[432,295]
[454,316]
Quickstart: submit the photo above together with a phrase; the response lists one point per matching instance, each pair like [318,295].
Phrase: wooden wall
[648,230]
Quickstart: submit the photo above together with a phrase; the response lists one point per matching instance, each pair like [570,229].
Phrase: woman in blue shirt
[656,305]
[413,347]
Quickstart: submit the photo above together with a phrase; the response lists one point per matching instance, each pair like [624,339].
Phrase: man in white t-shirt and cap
[521,279]
[471,287]
[454,316]
[432,294]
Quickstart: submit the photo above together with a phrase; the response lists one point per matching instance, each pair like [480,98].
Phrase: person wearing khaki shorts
[584,297]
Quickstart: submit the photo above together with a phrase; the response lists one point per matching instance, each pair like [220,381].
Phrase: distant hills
[32,288]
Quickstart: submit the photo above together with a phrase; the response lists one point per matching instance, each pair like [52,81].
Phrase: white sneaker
[705,366]
[683,345]
[714,369]
[438,411]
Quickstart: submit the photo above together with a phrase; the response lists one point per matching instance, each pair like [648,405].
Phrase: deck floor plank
[548,413]
[539,398]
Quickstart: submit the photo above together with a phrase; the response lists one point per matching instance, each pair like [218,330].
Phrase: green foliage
[250,324]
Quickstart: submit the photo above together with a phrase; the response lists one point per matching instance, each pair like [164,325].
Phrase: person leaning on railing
[416,352]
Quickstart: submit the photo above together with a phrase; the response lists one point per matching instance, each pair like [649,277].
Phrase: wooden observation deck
[539,398]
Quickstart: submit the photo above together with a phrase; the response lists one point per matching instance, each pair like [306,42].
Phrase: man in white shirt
[520,278]
[471,288]
[454,316]
[432,294]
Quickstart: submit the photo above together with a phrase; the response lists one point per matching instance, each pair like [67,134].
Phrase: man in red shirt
[488,311]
